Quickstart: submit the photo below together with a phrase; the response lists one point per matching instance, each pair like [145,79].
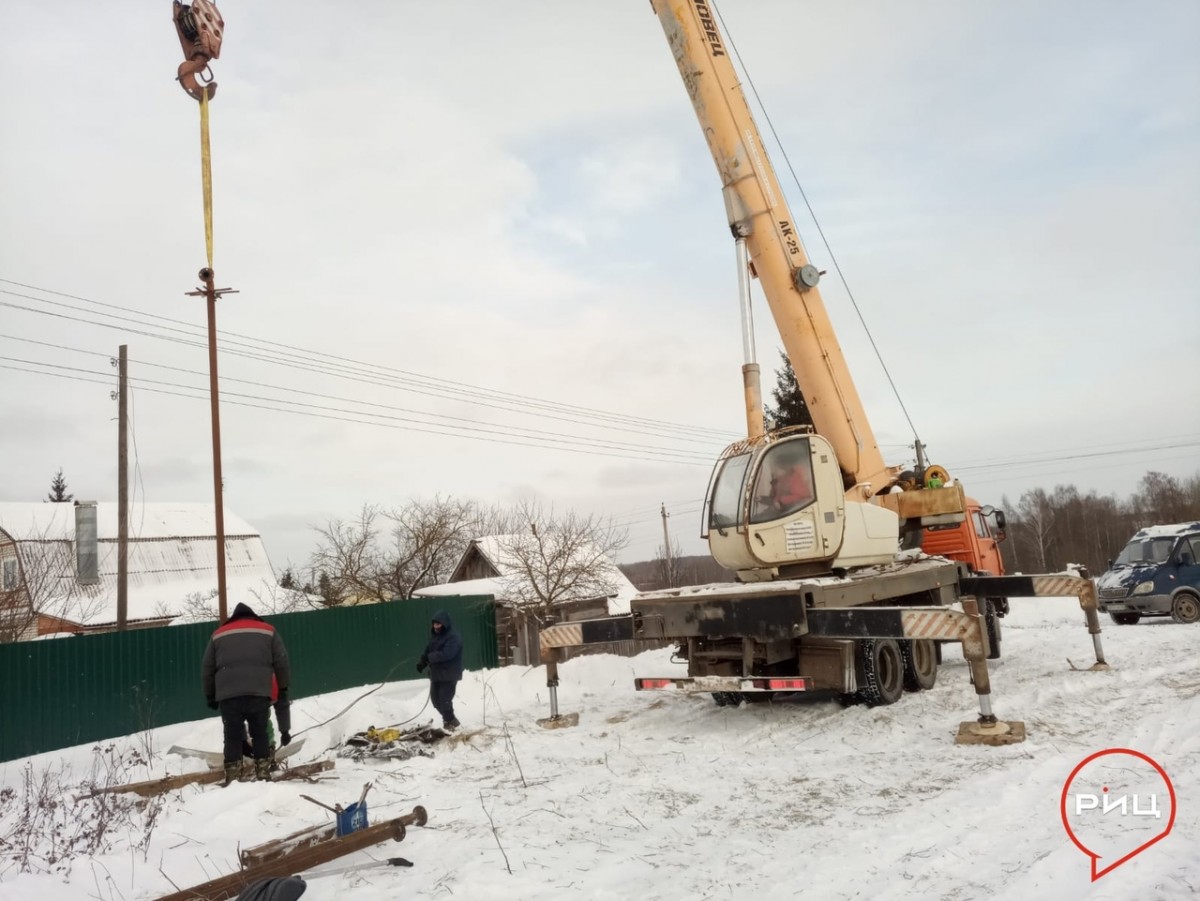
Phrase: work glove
[421,664]
[212,704]
[285,738]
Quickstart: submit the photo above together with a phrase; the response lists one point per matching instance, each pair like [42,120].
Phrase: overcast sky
[481,251]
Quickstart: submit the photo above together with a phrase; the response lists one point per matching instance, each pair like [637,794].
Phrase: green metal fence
[68,691]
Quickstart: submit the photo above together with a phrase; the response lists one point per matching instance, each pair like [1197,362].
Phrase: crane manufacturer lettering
[710,27]
[789,236]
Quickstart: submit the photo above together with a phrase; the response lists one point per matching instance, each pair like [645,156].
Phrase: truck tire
[1185,608]
[1130,618]
[755,697]
[991,621]
[727,698]
[920,664]
[882,666]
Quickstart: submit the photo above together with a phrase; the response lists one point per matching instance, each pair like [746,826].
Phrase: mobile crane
[825,598]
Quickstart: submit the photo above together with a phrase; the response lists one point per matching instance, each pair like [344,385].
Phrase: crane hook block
[200,29]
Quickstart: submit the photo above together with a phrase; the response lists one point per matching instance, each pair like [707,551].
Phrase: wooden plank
[154,787]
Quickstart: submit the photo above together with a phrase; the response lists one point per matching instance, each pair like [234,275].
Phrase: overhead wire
[610,449]
[411,381]
[636,429]
[521,430]
[648,450]
[816,222]
[258,406]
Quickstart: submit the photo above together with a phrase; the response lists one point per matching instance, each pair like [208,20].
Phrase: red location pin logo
[1115,804]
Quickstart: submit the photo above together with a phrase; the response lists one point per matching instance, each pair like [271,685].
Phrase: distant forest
[1046,530]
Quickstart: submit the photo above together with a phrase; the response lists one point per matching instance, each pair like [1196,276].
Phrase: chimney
[87,562]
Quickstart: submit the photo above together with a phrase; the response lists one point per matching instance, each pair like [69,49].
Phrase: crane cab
[777,508]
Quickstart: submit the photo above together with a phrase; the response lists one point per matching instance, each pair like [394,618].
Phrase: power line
[636,429]
[475,425]
[469,391]
[431,431]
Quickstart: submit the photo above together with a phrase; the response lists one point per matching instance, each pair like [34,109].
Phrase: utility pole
[667,548]
[921,463]
[122,490]
[211,294]
[200,29]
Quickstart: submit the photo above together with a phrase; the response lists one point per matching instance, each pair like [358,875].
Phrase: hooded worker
[244,660]
[443,657]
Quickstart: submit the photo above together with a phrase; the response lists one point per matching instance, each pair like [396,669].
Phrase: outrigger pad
[1003,732]
[1097,667]
[562,721]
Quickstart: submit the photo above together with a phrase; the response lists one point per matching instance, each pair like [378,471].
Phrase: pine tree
[790,407]
[58,489]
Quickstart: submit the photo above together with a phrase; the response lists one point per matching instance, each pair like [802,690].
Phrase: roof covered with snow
[56,522]
[497,550]
[171,559]
[465,588]
[1168,531]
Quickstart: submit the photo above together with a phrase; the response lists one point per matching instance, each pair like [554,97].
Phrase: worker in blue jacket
[443,658]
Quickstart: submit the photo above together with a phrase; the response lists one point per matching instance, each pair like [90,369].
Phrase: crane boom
[758,212]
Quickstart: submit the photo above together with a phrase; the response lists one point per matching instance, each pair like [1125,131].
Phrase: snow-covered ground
[665,797]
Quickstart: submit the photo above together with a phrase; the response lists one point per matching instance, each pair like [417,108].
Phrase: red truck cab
[975,541]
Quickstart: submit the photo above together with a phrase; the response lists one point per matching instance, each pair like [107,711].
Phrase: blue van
[1156,574]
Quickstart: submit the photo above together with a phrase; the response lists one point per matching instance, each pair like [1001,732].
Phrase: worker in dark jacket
[443,657]
[244,657]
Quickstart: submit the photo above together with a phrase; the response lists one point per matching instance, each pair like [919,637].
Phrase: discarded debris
[391,743]
[216,759]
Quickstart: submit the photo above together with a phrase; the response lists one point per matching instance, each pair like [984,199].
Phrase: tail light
[644,684]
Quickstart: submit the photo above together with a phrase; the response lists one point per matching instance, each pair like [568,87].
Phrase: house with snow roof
[58,565]
[514,570]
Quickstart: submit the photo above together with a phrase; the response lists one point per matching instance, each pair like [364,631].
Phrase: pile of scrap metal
[391,743]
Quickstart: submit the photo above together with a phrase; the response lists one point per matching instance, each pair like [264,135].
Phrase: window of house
[9,578]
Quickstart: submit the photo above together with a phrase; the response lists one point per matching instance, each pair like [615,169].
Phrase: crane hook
[200,29]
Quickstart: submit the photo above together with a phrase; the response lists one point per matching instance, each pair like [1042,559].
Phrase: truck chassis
[867,635]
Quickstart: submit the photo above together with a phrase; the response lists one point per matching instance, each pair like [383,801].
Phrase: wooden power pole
[122,490]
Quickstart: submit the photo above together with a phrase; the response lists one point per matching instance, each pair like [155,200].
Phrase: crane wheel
[881,670]
[920,664]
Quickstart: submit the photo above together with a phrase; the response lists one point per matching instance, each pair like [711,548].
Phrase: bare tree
[1037,515]
[348,554]
[554,559]
[1162,498]
[669,565]
[37,578]
[388,554]
[428,538]
[265,599]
